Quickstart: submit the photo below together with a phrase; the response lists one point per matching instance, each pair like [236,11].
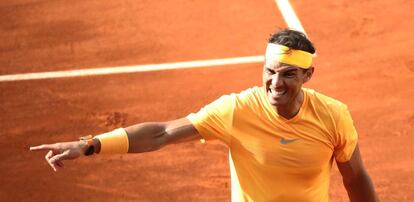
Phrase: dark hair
[292,39]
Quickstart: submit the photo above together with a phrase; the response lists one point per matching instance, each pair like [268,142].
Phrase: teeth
[276,93]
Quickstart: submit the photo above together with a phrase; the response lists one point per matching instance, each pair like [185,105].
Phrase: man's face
[283,82]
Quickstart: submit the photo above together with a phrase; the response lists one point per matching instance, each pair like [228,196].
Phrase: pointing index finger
[42,147]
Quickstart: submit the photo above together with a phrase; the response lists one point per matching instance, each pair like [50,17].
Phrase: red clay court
[364,59]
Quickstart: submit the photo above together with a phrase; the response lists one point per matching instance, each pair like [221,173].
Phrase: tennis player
[282,137]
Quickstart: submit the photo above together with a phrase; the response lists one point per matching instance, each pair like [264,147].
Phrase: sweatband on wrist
[114,142]
[284,54]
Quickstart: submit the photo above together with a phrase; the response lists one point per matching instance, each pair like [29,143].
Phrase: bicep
[180,130]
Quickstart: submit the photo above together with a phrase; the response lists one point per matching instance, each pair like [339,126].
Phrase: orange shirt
[274,159]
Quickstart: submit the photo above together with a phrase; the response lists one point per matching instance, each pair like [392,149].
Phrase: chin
[278,102]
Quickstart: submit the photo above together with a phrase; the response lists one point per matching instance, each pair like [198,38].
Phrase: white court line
[289,15]
[131,69]
[285,8]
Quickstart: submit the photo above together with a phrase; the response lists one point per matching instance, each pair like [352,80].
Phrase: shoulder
[250,92]
[329,109]
[249,97]
[323,101]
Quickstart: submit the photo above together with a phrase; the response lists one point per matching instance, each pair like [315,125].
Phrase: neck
[290,110]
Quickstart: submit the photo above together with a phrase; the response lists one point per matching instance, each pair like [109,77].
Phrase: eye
[269,71]
[290,74]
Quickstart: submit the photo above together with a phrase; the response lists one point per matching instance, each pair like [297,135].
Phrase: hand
[61,151]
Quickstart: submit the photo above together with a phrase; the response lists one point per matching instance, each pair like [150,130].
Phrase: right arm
[147,137]
[142,137]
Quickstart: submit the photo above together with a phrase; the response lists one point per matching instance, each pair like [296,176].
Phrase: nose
[276,80]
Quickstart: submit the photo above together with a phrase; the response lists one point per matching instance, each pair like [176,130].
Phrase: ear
[308,74]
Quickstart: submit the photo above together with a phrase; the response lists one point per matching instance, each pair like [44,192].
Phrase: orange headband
[289,56]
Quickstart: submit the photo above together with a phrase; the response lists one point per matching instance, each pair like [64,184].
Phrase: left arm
[356,180]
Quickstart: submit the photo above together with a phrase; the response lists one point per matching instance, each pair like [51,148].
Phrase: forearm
[361,189]
[138,138]
[145,137]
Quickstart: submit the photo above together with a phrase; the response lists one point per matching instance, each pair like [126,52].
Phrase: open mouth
[277,93]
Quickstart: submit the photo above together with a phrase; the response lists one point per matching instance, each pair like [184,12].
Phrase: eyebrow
[291,70]
[288,69]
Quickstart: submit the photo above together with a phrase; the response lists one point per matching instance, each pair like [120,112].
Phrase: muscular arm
[152,136]
[142,137]
[356,180]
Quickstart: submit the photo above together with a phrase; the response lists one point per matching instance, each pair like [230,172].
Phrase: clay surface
[364,59]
